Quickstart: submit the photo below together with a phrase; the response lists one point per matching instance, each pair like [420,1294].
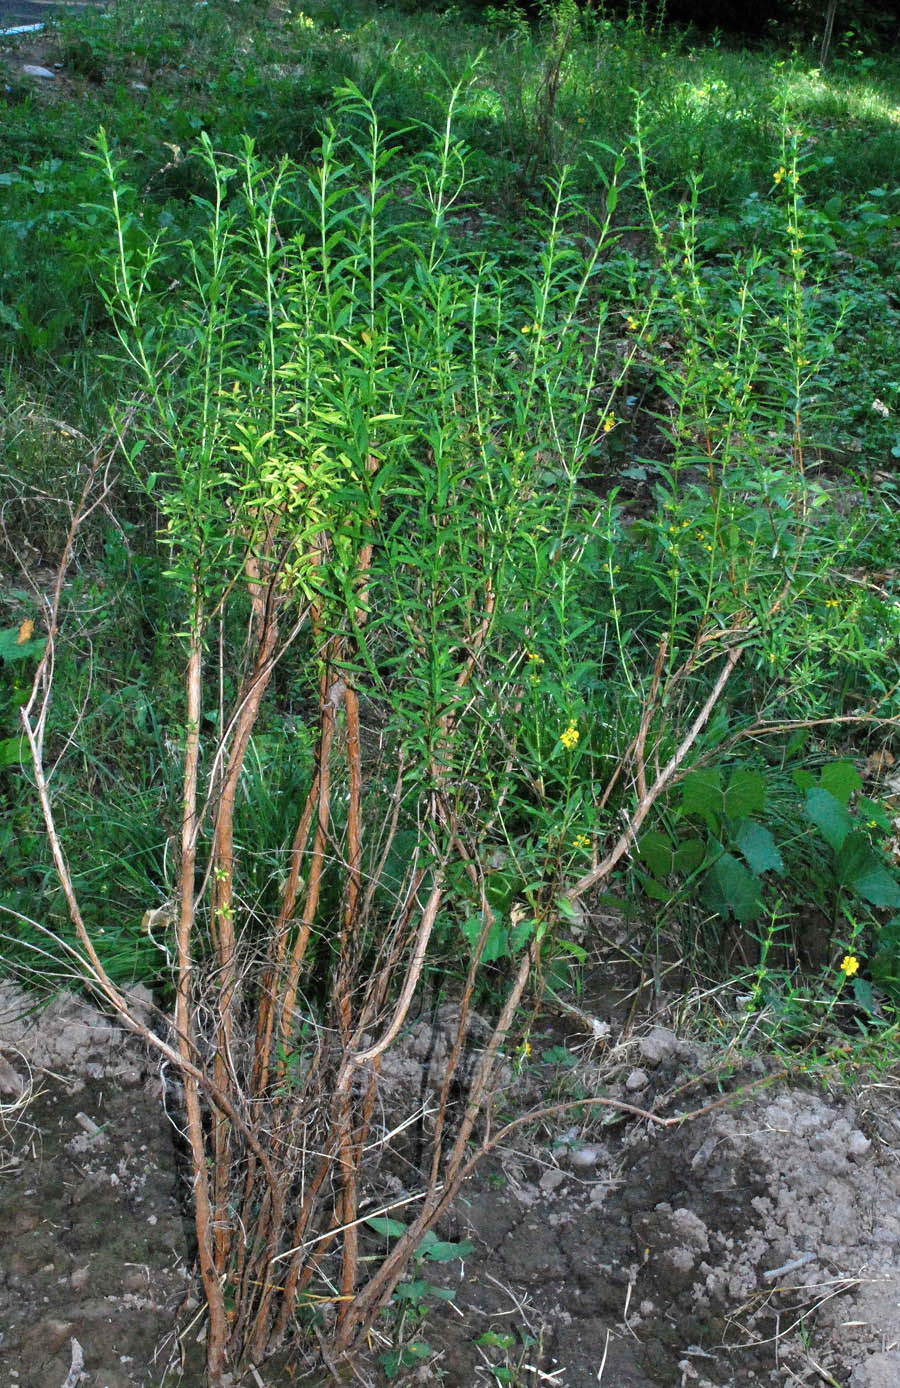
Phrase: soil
[756,1244]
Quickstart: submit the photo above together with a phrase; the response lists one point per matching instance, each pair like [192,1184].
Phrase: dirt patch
[94,1247]
[756,1245]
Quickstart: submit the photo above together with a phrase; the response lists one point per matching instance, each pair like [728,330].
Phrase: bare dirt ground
[758,1244]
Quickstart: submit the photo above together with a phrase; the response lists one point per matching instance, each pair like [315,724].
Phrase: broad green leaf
[412,1291]
[655,849]
[830,817]
[13,750]
[874,814]
[443,1252]
[390,1228]
[689,856]
[862,872]
[729,888]
[655,890]
[863,995]
[746,794]
[842,779]
[496,946]
[17,643]
[758,847]
[419,1289]
[701,794]
[520,935]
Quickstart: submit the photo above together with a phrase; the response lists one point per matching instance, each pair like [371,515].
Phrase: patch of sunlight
[813,94]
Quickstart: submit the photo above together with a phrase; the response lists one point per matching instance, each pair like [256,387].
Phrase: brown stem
[647,801]
[203,1216]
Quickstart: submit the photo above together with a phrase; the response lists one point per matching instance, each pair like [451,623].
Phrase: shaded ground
[758,1244]
[13,12]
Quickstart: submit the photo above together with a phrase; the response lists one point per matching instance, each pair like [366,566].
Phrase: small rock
[33,70]
[637,1080]
[583,1158]
[857,1144]
[551,1179]
[79,1279]
[139,87]
[658,1045]
[12,1086]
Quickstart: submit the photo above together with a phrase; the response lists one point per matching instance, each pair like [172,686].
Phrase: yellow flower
[632,324]
[582,841]
[525,1048]
[569,738]
[609,423]
[849,965]
[779,174]
[531,328]
[535,658]
[832,602]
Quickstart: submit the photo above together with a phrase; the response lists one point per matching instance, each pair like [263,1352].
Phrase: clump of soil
[755,1244]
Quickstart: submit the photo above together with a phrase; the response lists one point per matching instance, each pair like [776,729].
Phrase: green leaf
[701,794]
[863,995]
[558,1055]
[419,1289]
[730,888]
[829,816]
[390,1228]
[491,1339]
[842,779]
[861,871]
[12,648]
[412,1291]
[655,849]
[874,814]
[496,946]
[13,750]
[689,856]
[746,794]
[655,890]
[443,1252]
[758,847]
[405,1358]
[796,743]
